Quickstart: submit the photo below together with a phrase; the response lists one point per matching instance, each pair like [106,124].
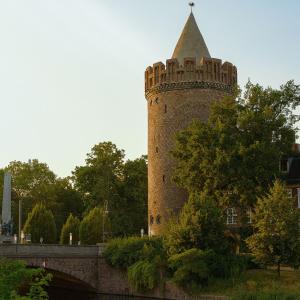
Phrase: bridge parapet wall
[44,250]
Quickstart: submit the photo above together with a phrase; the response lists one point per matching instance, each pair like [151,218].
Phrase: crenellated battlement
[210,70]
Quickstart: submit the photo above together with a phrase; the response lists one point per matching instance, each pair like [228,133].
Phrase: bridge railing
[21,250]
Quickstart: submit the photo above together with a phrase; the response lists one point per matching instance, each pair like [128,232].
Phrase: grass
[258,284]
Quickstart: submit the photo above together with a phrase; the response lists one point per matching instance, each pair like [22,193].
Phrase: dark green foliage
[218,156]
[190,268]
[201,225]
[276,223]
[14,274]
[40,223]
[124,252]
[143,275]
[72,225]
[143,258]
[106,177]
[91,227]
[194,267]
[34,183]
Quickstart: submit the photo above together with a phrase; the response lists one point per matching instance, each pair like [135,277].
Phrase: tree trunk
[278,269]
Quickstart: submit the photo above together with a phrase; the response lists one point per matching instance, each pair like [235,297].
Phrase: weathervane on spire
[191,4]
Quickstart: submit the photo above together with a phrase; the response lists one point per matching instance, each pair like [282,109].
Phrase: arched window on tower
[151,219]
[158,219]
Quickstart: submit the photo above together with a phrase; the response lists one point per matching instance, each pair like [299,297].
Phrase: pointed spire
[191,42]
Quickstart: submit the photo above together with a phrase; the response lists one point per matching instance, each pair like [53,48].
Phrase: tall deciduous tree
[34,183]
[201,225]
[235,155]
[40,223]
[99,179]
[276,222]
[107,178]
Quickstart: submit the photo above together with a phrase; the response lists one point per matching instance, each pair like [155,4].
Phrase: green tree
[14,274]
[134,209]
[99,179]
[30,180]
[200,225]
[91,227]
[33,183]
[276,223]
[63,199]
[235,155]
[40,223]
[106,178]
[72,225]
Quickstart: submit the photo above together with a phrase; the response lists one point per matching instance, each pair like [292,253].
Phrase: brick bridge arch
[74,264]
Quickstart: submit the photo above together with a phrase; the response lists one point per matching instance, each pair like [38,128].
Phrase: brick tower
[177,92]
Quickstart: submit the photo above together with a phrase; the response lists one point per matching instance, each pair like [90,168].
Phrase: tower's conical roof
[191,42]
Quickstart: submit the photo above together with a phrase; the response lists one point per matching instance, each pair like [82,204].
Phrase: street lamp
[105,212]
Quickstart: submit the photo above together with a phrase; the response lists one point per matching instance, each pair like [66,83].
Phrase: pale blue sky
[71,71]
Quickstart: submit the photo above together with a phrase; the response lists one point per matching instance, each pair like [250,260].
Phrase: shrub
[14,274]
[190,268]
[143,275]
[195,267]
[91,227]
[72,225]
[143,258]
[124,252]
[40,223]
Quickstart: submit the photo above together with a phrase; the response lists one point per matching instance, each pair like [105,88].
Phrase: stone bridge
[69,264]
[84,268]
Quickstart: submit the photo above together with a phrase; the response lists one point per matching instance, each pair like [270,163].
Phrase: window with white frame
[249,216]
[231,216]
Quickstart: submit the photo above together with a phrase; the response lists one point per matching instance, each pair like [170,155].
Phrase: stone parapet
[207,70]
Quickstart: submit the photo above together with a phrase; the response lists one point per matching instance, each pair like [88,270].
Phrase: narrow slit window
[156,149]
[164,178]
[166,109]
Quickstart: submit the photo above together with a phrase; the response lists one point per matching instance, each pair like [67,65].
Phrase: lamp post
[105,212]
[20,220]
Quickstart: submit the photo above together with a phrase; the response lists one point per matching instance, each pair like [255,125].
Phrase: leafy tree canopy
[235,155]
[40,223]
[276,222]
[14,274]
[201,225]
[33,183]
[107,178]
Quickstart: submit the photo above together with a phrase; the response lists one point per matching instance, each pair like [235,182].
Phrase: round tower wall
[176,95]
[169,112]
